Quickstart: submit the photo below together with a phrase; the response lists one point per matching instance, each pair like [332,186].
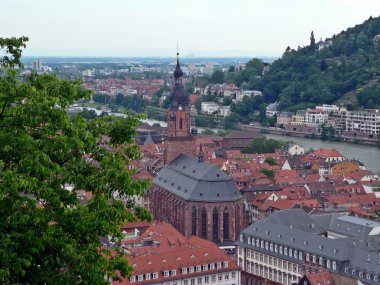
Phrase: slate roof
[192,180]
[353,226]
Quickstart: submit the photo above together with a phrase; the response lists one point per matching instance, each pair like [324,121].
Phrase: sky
[152,28]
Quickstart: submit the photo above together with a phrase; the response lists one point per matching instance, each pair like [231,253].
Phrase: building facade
[367,122]
[199,199]
[289,244]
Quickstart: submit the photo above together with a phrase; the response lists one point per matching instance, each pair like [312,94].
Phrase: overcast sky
[153,27]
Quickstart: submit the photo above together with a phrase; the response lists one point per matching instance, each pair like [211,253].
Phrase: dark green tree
[217,77]
[47,236]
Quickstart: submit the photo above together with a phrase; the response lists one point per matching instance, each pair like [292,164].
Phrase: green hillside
[346,71]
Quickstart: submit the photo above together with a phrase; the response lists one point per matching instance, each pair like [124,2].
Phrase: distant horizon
[149,28]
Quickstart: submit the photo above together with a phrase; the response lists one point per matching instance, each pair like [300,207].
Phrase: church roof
[149,139]
[192,180]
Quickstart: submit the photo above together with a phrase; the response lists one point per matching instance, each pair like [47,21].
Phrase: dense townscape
[92,194]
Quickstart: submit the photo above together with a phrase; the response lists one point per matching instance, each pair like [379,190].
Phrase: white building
[315,118]
[249,93]
[367,122]
[225,111]
[295,149]
[272,109]
[328,108]
[209,107]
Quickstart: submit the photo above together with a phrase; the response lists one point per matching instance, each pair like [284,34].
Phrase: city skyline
[153,28]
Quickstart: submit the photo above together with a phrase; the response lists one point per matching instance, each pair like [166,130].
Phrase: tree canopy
[47,236]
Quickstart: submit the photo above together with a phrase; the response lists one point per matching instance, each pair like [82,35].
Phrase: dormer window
[225,264]
[198,268]
[155,275]
[166,273]
[140,278]
[147,276]
[184,270]
[191,269]
[205,267]
[241,238]
[212,266]
[173,272]
[132,279]
[218,265]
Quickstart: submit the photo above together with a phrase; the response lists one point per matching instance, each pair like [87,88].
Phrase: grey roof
[299,239]
[296,219]
[149,139]
[192,180]
[352,226]
[287,228]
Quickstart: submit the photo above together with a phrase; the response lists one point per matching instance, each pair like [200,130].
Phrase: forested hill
[343,69]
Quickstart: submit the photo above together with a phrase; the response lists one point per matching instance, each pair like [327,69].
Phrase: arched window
[215,224]
[204,223]
[226,234]
[180,123]
[194,221]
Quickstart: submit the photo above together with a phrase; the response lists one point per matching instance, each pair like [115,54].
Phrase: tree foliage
[47,236]
[264,145]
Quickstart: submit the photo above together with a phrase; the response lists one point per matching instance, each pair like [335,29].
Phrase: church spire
[178,71]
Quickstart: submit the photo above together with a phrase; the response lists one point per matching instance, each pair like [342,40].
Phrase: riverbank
[291,133]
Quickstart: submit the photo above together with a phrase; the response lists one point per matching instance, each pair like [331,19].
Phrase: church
[196,197]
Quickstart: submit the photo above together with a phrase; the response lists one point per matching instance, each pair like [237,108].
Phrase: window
[200,280]
[271,247]
[286,251]
[249,240]
[314,259]
[375,278]
[266,245]
[184,270]
[191,269]
[360,274]
[213,278]
[166,273]
[262,244]
[174,272]
[300,255]
[233,275]
[206,279]
[280,249]
[192,282]
[219,265]
[321,261]
[226,276]
[215,225]
[328,263]
[205,267]
[295,254]
[334,265]
[180,123]
[212,266]
[185,282]
[140,277]
[147,276]
[225,264]
[368,276]
[194,222]
[198,268]
[132,279]
[257,242]
[220,277]
[307,257]
[290,252]
[275,248]
[204,223]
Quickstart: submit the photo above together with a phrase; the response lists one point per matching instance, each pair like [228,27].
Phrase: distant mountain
[343,69]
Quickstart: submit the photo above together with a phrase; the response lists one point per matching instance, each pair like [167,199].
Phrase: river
[368,155]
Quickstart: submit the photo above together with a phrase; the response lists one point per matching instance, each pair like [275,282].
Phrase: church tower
[179,138]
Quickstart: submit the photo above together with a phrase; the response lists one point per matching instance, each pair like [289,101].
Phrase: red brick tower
[179,138]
